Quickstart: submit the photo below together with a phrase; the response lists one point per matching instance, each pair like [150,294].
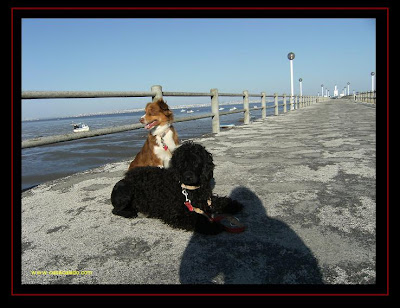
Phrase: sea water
[50,162]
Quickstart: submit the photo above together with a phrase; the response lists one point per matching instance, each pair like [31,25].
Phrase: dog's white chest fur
[164,155]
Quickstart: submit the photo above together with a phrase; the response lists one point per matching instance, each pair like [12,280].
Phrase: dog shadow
[267,252]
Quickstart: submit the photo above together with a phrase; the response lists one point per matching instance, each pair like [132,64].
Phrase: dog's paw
[208,228]
[234,207]
[226,205]
[121,200]
[127,213]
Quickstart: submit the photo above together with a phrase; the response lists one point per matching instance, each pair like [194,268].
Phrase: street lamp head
[290,55]
[322,85]
[372,73]
[348,83]
[301,79]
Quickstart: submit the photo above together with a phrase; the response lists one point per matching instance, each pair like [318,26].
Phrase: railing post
[284,103]
[158,90]
[291,102]
[263,106]
[246,107]
[276,104]
[215,111]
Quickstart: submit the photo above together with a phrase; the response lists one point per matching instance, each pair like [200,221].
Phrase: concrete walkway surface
[308,182]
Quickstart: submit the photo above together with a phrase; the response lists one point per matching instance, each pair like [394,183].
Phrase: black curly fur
[157,192]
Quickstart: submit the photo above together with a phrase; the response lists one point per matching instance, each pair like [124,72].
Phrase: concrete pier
[307,179]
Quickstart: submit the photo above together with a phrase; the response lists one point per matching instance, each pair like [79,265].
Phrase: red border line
[12,152]
[201,8]
[198,294]
[190,8]
[387,150]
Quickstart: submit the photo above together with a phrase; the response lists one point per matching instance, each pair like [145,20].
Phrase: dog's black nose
[189,177]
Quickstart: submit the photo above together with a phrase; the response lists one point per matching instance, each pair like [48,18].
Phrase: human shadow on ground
[268,252]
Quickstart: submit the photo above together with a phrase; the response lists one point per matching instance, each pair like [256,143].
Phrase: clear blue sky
[189,55]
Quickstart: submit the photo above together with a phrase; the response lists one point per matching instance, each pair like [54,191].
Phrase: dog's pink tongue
[150,125]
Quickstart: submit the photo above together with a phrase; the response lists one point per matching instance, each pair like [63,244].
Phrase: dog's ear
[164,107]
[208,167]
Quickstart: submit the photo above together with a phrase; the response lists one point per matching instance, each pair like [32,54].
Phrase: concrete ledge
[306,178]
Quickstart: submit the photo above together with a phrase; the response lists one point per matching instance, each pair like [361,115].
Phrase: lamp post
[372,81]
[291,57]
[348,88]
[322,90]
[301,86]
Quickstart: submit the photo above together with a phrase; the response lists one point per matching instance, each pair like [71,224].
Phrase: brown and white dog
[162,138]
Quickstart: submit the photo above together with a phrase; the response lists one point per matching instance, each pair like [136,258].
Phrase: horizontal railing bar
[231,94]
[183,119]
[75,136]
[186,93]
[111,130]
[156,91]
[83,94]
[250,95]
[101,94]
[232,111]
[98,132]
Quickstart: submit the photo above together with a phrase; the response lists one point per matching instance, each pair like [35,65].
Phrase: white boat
[80,127]
[227,125]
[233,108]
[183,110]
[189,111]
[222,108]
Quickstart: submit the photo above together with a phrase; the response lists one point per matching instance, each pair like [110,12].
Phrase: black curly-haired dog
[180,196]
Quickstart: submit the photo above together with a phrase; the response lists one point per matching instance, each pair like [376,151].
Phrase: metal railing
[366,97]
[156,92]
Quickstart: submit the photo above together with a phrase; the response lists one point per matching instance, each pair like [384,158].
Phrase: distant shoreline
[103,113]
